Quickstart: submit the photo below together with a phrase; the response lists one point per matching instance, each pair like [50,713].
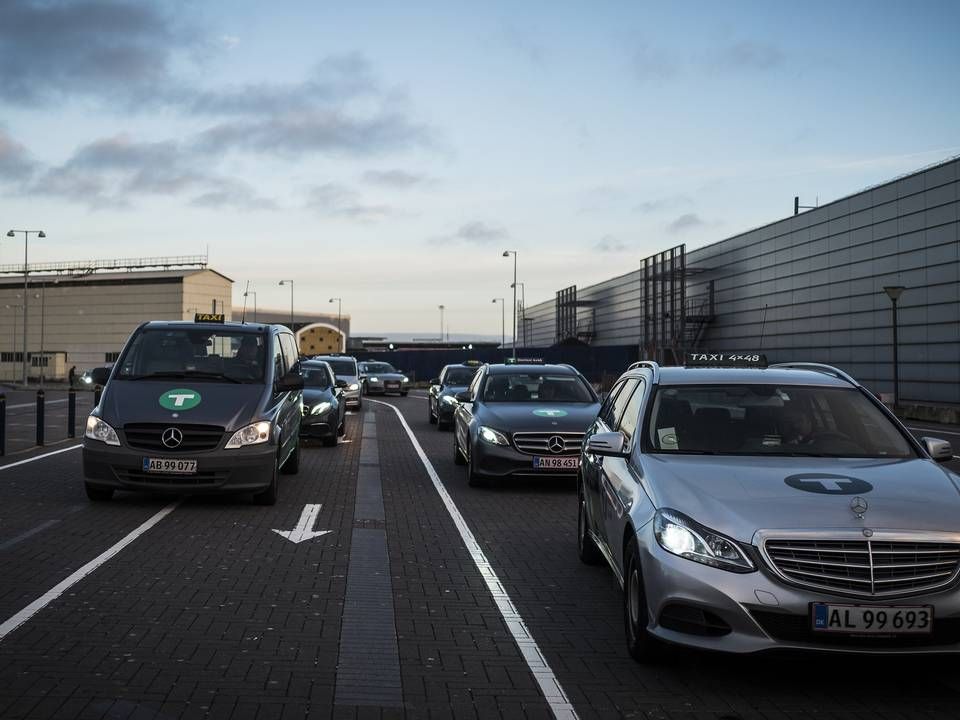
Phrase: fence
[40,420]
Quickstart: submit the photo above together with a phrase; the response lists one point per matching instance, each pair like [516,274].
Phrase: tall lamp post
[508,253]
[339,320]
[503,320]
[290,283]
[254,293]
[26,274]
[441,307]
[894,292]
[523,315]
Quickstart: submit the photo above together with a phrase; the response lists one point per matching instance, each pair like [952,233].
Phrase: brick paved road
[211,614]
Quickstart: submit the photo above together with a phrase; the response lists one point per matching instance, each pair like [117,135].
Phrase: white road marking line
[32,404]
[39,457]
[932,430]
[57,590]
[549,684]
[304,529]
[39,528]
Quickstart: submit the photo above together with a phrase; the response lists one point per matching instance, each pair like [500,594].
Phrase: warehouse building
[808,287]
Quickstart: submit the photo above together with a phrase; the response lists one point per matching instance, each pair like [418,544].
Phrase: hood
[349,378]
[311,396]
[740,495]
[386,376]
[452,390]
[539,417]
[227,405]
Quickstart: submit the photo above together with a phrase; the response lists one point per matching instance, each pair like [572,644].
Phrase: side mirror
[463,397]
[435,381]
[342,384]
[290,382]
[608,444]
[939,450]
[100,375]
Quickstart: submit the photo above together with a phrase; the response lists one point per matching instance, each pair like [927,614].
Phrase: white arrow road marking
[303,529]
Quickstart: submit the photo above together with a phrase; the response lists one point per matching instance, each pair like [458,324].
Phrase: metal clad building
[810,287]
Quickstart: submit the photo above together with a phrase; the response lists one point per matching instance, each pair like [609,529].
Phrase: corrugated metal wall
[814,284]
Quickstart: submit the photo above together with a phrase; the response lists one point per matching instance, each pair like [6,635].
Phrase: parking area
[392,589]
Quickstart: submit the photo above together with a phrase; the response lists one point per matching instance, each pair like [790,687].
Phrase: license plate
[873,619]
[556,463]
[393,385]
[170,465]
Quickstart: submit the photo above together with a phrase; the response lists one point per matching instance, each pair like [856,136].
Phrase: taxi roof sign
[725,360]
[209,317]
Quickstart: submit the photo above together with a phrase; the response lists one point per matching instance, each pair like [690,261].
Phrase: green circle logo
[549,412]
[180,399]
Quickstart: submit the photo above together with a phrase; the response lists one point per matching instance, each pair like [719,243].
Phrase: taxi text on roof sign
[209,317]
[729,360]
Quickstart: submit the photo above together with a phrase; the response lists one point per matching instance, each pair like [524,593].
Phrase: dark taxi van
[197,407]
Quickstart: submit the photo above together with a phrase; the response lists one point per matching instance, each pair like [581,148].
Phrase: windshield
[536,387]
[345,368]
[459,376]
[316,376]
[379,367]
[214,355]
[787,420]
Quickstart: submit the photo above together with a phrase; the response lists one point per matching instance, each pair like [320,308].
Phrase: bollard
[3,425]
[71,413]
[40,418]
[97,392]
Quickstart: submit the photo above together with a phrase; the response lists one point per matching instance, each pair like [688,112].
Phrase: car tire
[458,458]
[643,647]
[359,405]
[474,480]
[292,465]
[403,393]
[586,547]
[97,493]
[441,426]
[342,428]
[330,441]
[430,417]
[270,495]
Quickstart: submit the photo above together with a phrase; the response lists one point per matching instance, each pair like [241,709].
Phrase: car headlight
[87,379]
[320,408]
[97,429]
[448,400]
[250,435]
[374,379]
[492,436]
[354,386]
[681,536]
[406,379]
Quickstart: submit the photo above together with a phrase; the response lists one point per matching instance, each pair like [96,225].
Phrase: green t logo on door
[180,399]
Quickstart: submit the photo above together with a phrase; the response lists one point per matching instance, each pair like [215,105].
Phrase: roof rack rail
[647,364]
[818,367]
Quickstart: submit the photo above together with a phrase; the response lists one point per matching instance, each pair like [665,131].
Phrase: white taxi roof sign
[726,360]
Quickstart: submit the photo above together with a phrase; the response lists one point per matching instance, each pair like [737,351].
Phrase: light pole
[441,323]
[508,253]
[254,293]
[339,320]
[894,292]
[503,320]
[523,315]
[26,274]
[290,283]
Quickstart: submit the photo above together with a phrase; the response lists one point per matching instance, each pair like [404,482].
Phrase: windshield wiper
[183,374]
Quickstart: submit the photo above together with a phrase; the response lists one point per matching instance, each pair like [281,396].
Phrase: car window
[631,413]
[608,401]
[524,387]
[278,364]
[290,353]
[474,388]
[458,376]
[343,367]
[373,368]
[612,417]
[316,376]
[197,353]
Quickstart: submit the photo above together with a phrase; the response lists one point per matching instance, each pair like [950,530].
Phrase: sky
[388,153]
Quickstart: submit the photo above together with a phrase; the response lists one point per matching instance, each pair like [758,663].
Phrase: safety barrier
[40,416]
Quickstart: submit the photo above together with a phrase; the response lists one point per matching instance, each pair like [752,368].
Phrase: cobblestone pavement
[210,613]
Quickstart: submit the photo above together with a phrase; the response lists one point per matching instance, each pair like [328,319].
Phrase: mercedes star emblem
[556,444]
[172,437]
[859,506]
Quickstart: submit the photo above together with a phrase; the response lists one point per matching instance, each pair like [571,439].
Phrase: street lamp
[339,317]
[26,274]
[503,320]
[894,292]
[523,316]
[508,253]
[254,293]
[441,323]
[290,283]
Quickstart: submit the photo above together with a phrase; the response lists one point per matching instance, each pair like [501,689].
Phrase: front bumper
[445,412]
[318,426]
[384,388]
[762,613]
[240,470]
[505,461]
[352,397]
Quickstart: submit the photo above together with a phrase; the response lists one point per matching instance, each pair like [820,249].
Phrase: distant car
[381,378]
[345,368]
[523,421]
[441,398]
[324,407]
[88,380]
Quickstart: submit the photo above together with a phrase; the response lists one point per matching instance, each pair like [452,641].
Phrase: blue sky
[388,153]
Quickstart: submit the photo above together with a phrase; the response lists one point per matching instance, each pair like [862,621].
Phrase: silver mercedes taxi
[750,508]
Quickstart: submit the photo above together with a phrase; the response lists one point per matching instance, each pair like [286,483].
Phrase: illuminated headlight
[448,400]
[681,536]
[374,380]
[492,436]
[406,379]
[320,408]
[250,435]
[354,386]
[87,380]
[97,429]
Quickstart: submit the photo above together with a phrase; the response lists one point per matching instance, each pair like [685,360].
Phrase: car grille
[865,567]
[539,443]
[196,438]
[145,478]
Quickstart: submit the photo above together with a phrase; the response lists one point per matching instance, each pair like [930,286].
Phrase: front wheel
[458,458]
[643,647]
[474,480]
[586,547]
[292,465]
[403,393]
[270,495]
[430,417]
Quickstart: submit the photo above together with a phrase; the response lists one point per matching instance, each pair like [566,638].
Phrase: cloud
[15,161]
[228,193]
[749,55]
[609,244]
[476,232]
[396,179]
[650,63]
[335,200]
[685,222]
[665,203]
